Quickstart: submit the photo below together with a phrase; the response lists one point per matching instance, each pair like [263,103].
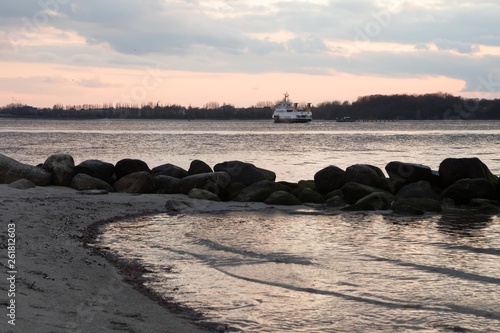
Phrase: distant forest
[374,107]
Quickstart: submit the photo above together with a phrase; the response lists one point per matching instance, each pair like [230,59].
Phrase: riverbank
[64,286]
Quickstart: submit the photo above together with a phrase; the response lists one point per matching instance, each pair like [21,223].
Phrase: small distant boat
[345,120]
[288,112]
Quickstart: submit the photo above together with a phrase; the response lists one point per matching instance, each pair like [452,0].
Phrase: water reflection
[465,224]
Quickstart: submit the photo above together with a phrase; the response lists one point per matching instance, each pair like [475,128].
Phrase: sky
[192,52]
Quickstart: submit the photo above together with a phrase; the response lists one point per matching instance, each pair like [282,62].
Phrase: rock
[231,191]
[416,206]
[84,182]
[310,196]
[137,182]
[169,170]
[367,175]
[373,201]
[177,206]
[329,179]
[453,169]
[335,202]
[488,210]
[464,190]
[245,173]
[196,167]
[197,193]
[167,184]
[22,184]
[62,168]
[97,169]
[290,186]
[128,166]
[353,192]
[213,182]
[406,173]
[93,192]
[259,192]
[336,193]
[421,189]
[282,198]
[12,170]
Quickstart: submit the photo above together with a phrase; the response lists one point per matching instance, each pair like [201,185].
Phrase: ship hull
[291,120]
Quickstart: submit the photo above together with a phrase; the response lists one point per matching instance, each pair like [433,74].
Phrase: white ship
[288,112]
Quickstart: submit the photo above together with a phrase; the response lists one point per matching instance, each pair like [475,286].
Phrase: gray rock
[245,173]
[464,190]
[137,182]
[12,170]
[354,192]
[335,202]
[454,169]
[421,189]
[129,166]
[196,167]
[367,175]
[259,192]
[282,198]
[416,206]
[97,169]
[329,179]
[169,170]
[373,201]
[167,184]
[84,182]
[308,195]
[213,182]
[197,193]
[62,168]
[22,184]
[406,173]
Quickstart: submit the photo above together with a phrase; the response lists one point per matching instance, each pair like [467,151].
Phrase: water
[279,272]
[293,151]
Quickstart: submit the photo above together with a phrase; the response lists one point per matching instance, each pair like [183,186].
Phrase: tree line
[374,107]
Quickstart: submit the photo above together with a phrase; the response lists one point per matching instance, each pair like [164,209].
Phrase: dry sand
[64,286]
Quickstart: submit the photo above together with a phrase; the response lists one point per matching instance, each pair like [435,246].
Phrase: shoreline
[63,285]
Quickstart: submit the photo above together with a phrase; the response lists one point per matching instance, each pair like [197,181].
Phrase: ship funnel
[295,107]
[308,107]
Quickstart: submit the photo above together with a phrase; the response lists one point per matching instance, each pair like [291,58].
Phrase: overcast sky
[191,52]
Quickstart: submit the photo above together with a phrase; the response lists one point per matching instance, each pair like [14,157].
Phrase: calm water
[278,272]
[293,151]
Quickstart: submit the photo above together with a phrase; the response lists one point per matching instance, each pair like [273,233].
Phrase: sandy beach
[62,285]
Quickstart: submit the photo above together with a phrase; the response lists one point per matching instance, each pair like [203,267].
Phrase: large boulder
[137,182]
[167,184]
[282,198]
[453,169]
[310,196]
[62,168]
[421,189]
[196,167]
[373,201]
[353,192]
[416,206]
[97,169]
[367,175]
[259,192]
[84,182]
[128,166]
[212,181]
[245,173]
[12,170]
[197,193]
[464,190]
[406,173]
[169,170]
[329,179]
